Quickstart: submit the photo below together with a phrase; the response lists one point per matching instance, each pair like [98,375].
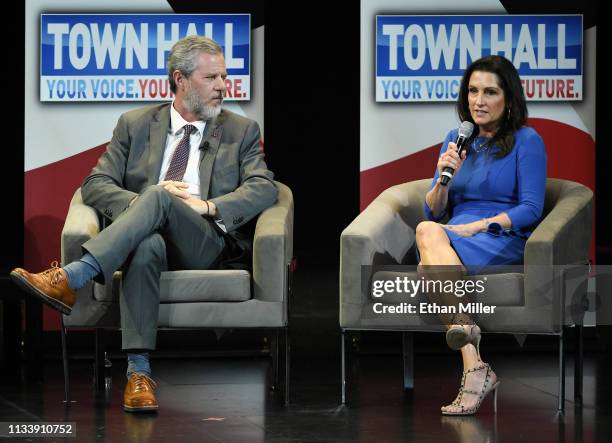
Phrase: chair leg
[65,362]
[350,364]
[578,365]
[287,365]
[99,368]
[561,406]
[274,347]
[343,364]
[408,359]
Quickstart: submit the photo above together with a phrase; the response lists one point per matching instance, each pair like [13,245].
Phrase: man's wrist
[212,209]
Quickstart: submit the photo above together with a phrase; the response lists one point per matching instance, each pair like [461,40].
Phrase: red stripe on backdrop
[571,156]
[571,152]
[415,166]
[48,191]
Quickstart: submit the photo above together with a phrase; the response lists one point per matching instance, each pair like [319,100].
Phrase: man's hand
[202,207]
[176,188]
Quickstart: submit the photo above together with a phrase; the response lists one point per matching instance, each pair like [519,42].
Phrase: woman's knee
[429,234]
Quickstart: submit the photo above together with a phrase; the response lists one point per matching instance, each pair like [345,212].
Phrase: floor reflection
[228,399]
[471,429]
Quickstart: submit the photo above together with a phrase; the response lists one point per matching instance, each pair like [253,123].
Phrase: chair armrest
[273,248]
[384,233]
[82,223]
[562,238]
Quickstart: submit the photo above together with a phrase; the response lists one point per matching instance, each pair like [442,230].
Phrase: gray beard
[195,105]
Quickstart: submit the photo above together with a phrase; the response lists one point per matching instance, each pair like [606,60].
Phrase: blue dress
[487,185]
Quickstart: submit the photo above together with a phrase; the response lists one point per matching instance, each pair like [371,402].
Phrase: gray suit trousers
[157,233]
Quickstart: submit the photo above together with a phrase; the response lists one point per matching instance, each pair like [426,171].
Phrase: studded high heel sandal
[460,335]
[490,384]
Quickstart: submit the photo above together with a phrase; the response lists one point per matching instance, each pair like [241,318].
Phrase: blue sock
[138,362]
[81,271]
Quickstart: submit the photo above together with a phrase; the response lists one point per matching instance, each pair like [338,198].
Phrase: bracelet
[487,223]
[207,207]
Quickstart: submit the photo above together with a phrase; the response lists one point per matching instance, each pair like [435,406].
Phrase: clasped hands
[202,207]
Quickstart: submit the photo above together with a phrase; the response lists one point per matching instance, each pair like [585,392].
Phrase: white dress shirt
[192,173]
[175,134]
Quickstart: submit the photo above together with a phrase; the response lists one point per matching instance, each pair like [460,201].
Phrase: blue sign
[422,58]
[122,57]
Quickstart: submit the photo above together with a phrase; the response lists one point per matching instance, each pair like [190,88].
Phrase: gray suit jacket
[233,173]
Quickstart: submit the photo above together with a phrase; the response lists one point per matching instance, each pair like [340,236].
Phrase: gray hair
[183,55]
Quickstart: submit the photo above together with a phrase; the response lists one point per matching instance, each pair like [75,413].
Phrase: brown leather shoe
[51,286]
[139,394]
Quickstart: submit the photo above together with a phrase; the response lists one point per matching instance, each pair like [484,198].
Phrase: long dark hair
[516,108]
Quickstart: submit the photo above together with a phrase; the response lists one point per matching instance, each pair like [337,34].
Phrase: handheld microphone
[465,130]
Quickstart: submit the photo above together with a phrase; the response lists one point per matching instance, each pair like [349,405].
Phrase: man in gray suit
[179,183]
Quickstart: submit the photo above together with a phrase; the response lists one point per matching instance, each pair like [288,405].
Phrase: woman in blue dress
[494,201]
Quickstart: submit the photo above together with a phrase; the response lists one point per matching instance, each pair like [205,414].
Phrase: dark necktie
[178,164]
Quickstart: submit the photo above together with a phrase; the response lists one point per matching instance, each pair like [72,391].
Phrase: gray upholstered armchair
[529,301]
[196,299]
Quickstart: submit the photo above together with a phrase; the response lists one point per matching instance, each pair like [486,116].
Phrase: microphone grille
[465,129]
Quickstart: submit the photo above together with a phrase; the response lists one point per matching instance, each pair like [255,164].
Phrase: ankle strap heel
[488,386]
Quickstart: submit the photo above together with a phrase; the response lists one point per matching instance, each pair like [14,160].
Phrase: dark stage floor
[227,400]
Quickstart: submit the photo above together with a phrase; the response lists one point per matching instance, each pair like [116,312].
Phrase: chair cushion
[190,287]
[500,289]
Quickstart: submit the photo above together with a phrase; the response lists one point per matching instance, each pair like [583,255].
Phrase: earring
[508,115]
